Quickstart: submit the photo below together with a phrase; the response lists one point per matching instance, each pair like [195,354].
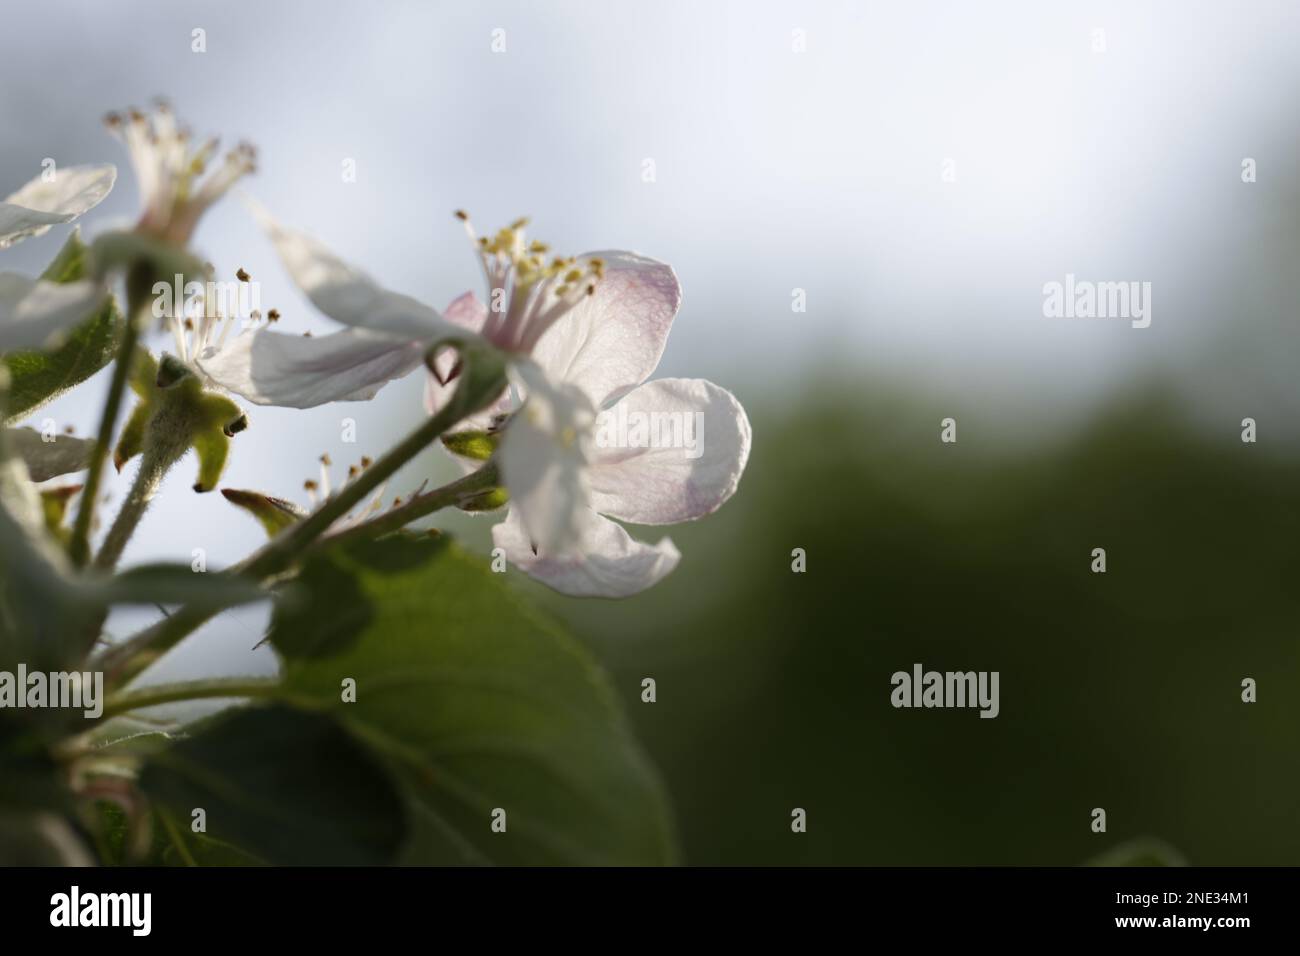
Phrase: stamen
[325,475]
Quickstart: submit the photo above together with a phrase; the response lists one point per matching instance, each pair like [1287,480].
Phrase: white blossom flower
[591,354]
[169,171]
[34,313]
[174,194]
[388,335]
[585,333]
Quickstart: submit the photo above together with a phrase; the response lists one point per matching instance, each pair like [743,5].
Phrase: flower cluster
[579,338]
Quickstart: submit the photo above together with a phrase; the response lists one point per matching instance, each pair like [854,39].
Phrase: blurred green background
[1118,690]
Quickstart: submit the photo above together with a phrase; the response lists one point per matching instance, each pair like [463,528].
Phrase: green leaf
[490,500]
[39,377]
[472,444]
[285,786]
[477,702]
[274,514]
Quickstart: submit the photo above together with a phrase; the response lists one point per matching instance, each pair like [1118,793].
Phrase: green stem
[455,493]
[138,290]
[153,466]
[280,552]
[167,437]
[188,690]
[124,661]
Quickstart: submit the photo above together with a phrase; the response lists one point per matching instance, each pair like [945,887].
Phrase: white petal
[40,204]
[294,371]
[702,436]
[543,459]
[348,295]
[611,342]
[608,562]
[61,455]
[34,313]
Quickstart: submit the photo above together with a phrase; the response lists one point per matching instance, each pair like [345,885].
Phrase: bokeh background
[820,170]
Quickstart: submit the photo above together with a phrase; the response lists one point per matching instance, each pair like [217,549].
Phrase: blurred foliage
[1119,690]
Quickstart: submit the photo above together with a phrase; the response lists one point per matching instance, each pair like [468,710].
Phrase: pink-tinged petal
[36,314]
[39,204]
[611,342]
[669,451]
[468,313]
[348,295]
[293,371]
[543,459]
[607,562]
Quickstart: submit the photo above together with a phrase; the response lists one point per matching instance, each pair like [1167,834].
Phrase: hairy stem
[455,493]
[138,286]
[278,553]
[153,466]
[168,436]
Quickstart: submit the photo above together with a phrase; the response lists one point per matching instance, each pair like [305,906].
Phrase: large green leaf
[282,785]
[39,377]
[478,703]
